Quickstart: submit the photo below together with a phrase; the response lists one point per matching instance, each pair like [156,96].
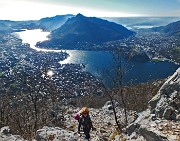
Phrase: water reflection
[95,61]
[33,36]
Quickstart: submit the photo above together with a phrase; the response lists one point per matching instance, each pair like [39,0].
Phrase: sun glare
[95,13]
[29,10]
[50,73]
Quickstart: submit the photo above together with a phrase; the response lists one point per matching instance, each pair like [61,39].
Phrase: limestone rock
[167,102]
[161,121]
[5,130]
[168,113]
[55,133]
[131,128]
[108,105]
[154,101]
[5,135]
[150,135]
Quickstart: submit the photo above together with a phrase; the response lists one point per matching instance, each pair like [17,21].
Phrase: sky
[37,9]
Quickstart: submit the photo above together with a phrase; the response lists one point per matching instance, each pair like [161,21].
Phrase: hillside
[47,24]
[15,26]
[173,28]
[3,27]
[170,29]
[81,29]
[52,23]
[142,21]
[159,122]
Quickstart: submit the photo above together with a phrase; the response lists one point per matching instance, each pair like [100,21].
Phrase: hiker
[85,122]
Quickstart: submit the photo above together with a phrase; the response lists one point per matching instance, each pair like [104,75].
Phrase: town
[71,79]
[17,58]
[157,46]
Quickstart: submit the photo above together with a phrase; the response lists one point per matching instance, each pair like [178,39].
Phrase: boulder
[160,121]
[168,113]
[152,103]
[165,104]
[5,135]
[5,130]
[134,136]
[131,128]
[55,133]
[108,105]
[151,135]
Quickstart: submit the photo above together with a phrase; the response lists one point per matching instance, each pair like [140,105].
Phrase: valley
[47,68]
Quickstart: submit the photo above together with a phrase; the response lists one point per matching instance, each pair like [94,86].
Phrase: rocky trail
[159,122]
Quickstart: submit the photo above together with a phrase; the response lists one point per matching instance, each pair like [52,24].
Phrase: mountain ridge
[91,24]
[52,23]
[170,29]
[80,29]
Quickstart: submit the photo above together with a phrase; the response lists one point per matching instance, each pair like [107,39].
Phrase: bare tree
[30,107]
[116,77]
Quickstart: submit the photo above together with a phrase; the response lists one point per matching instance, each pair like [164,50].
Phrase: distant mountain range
[142,21]
[47,24]
[52,23]
[81,29]
[3,27]
[71,32]
[11,26]
[170,29]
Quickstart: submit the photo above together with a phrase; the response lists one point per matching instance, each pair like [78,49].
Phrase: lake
[95,61]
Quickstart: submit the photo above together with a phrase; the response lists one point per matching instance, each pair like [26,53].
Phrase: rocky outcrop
[160,122]
[167,102]
[103,122]
[5,135]
[55,133]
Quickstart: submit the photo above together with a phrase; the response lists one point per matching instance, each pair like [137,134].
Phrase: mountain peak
[81,29]
[80,15]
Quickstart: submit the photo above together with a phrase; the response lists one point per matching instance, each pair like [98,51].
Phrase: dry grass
[136,97]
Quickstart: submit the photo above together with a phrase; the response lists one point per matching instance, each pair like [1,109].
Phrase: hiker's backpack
[77,116]
[86,121]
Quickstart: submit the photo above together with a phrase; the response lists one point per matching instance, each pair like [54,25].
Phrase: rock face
[55,133]
[161,121]
[103,122]
[5,135]
[167,102]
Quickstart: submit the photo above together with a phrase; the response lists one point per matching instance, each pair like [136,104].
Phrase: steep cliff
[160,122]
